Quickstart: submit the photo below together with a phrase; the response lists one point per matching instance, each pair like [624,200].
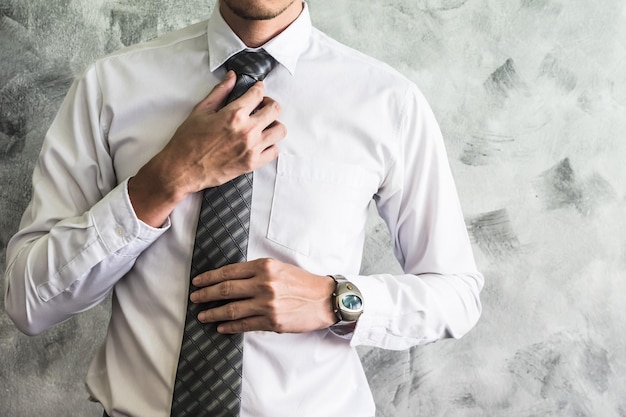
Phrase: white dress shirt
[357,130]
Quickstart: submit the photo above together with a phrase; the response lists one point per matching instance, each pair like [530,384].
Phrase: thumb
[213,102]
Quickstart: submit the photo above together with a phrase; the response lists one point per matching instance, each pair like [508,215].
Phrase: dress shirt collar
[285,48]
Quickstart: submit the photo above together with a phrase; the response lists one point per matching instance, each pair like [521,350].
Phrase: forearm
[53,274]
[438,294]
[408,310]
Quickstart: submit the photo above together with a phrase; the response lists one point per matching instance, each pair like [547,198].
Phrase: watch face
[352,302]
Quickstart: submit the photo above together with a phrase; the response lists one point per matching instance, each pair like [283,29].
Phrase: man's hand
[212,146]
[267,295]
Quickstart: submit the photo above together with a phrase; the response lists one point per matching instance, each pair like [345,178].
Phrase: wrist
[330,318]
[346,302]
[152,199]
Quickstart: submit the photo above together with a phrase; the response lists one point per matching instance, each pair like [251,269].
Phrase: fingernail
[201,317]
[193,297]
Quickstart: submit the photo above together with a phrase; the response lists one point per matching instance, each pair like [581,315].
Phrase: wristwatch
[347,301]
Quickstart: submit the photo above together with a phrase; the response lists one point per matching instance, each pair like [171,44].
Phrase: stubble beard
[255,13]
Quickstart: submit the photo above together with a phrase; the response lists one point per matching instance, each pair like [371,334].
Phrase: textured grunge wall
[531,96]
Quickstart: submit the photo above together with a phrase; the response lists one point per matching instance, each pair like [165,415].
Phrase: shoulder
[348,59]
[181,40]
[377,82]
[141,66]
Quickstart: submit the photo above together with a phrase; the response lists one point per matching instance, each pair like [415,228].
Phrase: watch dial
[352,302]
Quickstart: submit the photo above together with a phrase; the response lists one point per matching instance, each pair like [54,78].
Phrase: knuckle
[272,152]
[275,323]
[273,308]
[266,287]
[199,281]
[206,316]
[249,158]
[200,293]
[231,311]
[273,291]
[237,117]
[270,284]
[266,264]
[282,129]
[222,274]
[248,135]
[225,289]
[257,88]
[247,153]
[244,141]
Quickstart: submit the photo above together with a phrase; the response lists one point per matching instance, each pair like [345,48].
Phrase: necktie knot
[250,67]
[255,64]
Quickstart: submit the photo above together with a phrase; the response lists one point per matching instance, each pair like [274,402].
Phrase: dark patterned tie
[208,379]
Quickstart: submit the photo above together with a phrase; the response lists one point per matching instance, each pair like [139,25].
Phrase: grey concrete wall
[531,96]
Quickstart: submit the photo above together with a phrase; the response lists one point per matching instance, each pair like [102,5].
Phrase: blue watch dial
[352,302]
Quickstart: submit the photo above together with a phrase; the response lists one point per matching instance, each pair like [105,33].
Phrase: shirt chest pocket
[319,207]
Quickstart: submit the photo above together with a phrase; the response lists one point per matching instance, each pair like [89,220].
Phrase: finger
[266,148]
[250,100]
[218,94]
[234,310]
[273,134]
[227,290]
[249,324]
[239,270]
[268,154]
[267,112]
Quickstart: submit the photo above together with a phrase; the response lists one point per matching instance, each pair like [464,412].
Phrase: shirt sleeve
[438,296]
[79,234]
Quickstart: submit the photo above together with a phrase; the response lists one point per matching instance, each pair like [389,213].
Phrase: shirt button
[119,230]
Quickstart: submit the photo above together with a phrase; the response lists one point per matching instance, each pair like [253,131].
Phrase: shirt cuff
[119,228]
[371,327]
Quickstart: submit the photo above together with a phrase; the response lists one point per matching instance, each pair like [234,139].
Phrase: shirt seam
[154,44]
[104,130]
[401,132]
[58,275]
[400,129]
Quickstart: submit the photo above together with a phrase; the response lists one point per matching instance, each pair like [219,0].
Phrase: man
[118,190]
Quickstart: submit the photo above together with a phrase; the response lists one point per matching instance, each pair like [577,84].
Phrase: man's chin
[253,13]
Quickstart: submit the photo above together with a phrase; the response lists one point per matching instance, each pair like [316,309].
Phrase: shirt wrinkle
[314,218]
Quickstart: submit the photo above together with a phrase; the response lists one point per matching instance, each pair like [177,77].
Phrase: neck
[256,32]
